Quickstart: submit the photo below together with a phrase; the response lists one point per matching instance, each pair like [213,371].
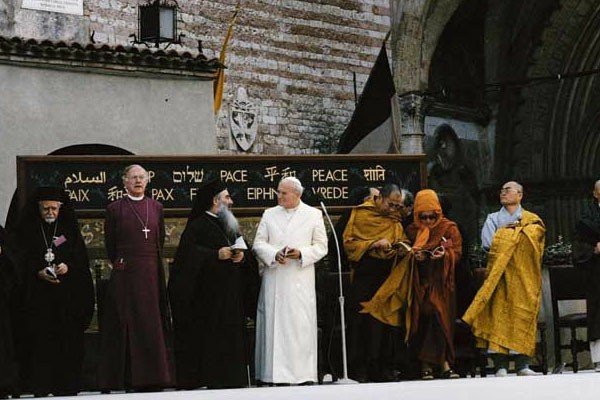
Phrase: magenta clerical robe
[133,320]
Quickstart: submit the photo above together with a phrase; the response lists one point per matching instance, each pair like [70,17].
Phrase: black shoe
[449,374]
[427,375]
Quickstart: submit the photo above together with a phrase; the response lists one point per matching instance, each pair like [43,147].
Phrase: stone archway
[416,28]
[556,139]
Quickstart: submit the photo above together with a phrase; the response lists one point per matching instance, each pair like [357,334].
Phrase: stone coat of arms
[243,120]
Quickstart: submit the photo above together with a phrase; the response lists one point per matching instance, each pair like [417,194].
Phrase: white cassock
[286,318]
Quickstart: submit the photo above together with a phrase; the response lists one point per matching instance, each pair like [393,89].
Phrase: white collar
[135,198]
[291,210]
[211,214]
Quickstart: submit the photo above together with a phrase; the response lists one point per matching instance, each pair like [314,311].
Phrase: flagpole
[220,79]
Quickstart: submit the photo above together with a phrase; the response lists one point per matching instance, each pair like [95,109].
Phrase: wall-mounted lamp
[157,24]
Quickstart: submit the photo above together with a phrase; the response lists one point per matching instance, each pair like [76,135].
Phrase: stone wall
[295,59]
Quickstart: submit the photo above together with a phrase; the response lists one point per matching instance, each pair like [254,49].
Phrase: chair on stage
[567,283]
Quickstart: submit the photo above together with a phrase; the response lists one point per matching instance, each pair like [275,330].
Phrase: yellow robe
[503,315]
[366,226]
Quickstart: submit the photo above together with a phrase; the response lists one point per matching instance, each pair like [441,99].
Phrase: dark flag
[374,107]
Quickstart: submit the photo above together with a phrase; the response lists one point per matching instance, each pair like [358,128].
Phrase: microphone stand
[344,379]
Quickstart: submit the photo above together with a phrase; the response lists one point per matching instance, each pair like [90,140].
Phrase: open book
[239,244]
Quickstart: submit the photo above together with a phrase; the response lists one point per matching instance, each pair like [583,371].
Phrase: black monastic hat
[53,193]
[204,197]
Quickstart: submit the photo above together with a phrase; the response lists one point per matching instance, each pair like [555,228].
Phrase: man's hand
[420,256]
[61,269]
[597,248]
[294,254]
[382,244]
[237,256]
[45,277]
[281,254]
[225,253]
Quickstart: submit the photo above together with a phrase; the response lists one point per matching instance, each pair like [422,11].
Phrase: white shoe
[501,373]
[526,372]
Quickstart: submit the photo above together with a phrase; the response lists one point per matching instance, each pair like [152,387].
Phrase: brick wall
[295,59]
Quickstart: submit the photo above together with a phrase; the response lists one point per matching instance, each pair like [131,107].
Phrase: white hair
[129,168]
[295,183]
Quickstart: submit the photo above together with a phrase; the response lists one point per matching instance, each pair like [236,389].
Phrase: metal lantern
[157,23]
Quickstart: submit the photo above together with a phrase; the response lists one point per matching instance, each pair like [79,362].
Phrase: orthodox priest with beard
[58,292]
[213,288]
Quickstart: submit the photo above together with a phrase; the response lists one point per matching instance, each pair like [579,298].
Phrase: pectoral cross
[146,230]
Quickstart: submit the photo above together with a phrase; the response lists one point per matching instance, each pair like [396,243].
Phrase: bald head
[511,194]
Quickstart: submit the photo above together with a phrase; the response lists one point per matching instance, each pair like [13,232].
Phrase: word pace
[330,175]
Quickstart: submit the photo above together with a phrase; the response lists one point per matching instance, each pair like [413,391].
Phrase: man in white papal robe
[290,239]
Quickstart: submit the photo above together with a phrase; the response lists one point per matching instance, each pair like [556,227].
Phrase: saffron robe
[369,348]
[210,300]
[503,315]
[286,320]
[134,321]
[389,291]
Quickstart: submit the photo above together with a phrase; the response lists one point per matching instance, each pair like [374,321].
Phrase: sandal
[427,375]
[449,374]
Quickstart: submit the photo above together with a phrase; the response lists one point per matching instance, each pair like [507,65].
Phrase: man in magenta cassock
[134,320]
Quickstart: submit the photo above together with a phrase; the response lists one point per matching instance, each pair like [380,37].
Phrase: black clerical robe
[55,316]
[210,300]
[8,281]
[587,235]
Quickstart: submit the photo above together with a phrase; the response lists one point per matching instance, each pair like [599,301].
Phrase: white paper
[240,244]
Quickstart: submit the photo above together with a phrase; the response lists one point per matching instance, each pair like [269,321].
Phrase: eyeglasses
[508,190]
[431,217]
[134,178]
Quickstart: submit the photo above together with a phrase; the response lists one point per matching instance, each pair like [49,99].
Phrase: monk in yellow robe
[372,243]
[503,315]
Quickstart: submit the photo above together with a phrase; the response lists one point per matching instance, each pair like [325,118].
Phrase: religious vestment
[286,320]
[370,269]
[134,320]
[8,283]
[587,235]
[434,304]
[503,315]
[54,316]
[210,301]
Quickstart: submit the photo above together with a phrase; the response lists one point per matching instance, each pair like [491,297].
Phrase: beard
[230,223]
[49,220]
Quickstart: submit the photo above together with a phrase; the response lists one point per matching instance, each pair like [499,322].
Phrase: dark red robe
[134,320]
[434,305]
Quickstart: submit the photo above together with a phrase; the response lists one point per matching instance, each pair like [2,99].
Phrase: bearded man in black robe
[586,254]
[8,282]
[58,292]
[213,288]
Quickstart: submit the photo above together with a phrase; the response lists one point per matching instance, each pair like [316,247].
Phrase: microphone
[344,379]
